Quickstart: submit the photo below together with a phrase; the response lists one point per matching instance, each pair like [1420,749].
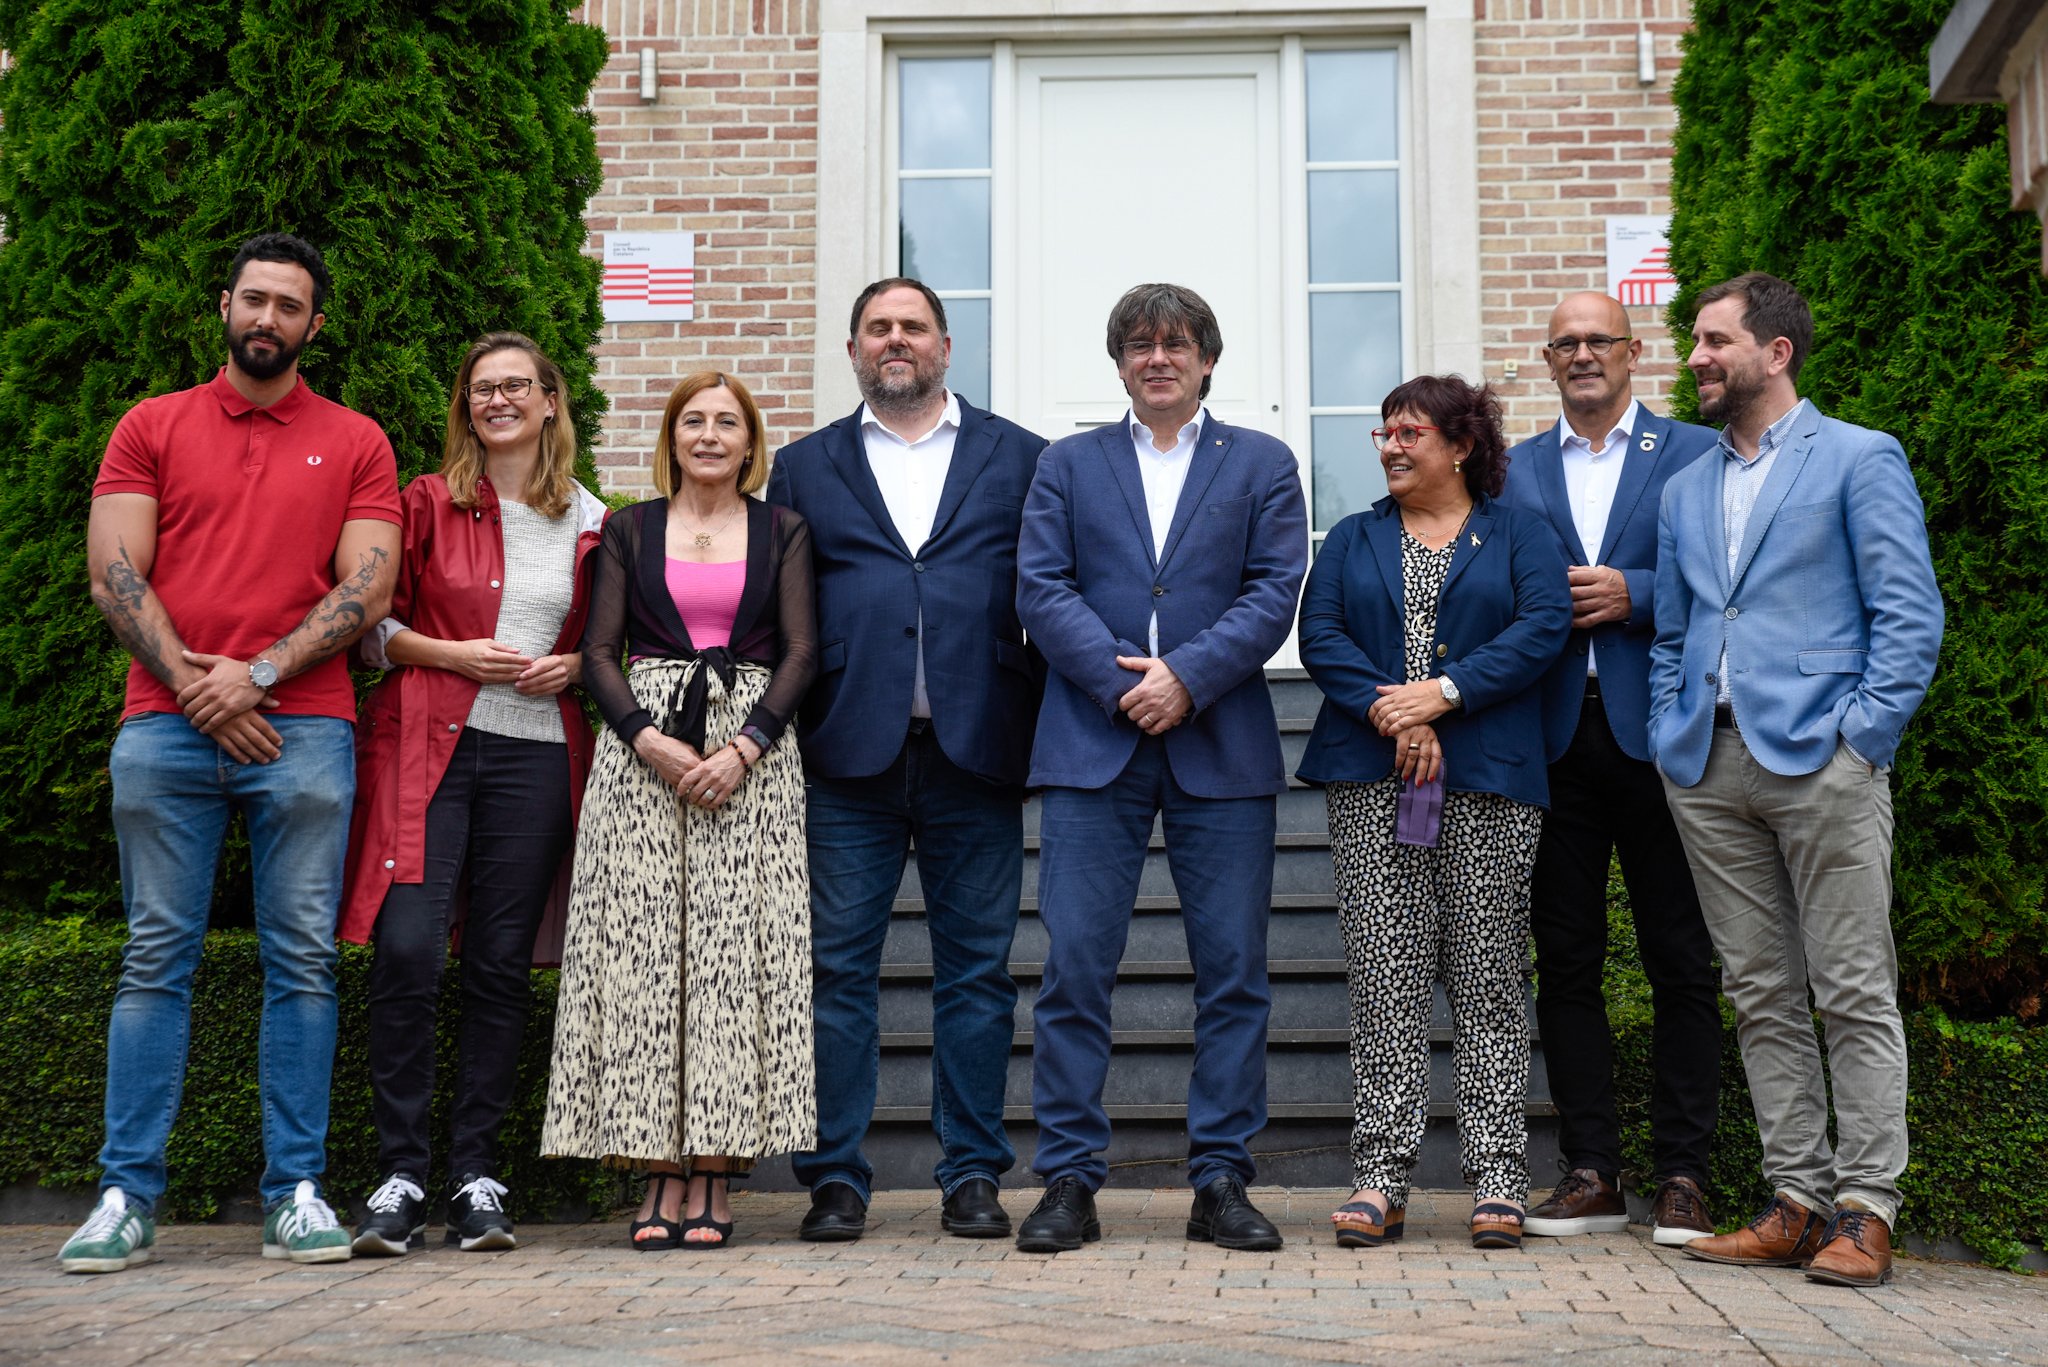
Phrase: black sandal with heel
[672,1235]
[722,1228]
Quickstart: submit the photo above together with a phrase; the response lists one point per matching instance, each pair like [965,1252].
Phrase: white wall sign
[1637,270]
[650,277]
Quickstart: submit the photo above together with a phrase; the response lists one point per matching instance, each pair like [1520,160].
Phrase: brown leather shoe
[1583,1202]
[1855,1250]
[1784,1234]
[1679,1214]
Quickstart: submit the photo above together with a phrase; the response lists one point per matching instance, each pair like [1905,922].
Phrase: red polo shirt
[249,507]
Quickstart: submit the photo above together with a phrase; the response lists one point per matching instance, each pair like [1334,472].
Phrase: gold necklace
[704,539]
[1424,536]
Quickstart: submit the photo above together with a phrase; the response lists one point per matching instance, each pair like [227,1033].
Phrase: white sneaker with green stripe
[304,1230]
[114,1236]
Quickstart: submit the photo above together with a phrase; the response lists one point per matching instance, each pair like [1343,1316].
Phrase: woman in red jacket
[470,763]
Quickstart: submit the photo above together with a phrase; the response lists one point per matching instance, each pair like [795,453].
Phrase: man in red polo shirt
[242,535]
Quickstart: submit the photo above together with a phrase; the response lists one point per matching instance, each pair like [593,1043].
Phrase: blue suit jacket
[1502,618]
[982,680]
[1657,449]
[1831,617]
[1224,589]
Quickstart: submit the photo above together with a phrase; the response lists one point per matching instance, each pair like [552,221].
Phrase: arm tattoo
[124,604]
[336,619]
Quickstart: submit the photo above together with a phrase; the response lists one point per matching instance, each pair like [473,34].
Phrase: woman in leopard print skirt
[683,1029]
[1428,622]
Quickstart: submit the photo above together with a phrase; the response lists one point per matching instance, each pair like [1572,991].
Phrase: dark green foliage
[56,991]
[1806,147]
[437,154]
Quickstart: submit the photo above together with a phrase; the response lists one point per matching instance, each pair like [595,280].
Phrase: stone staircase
[1308,1067]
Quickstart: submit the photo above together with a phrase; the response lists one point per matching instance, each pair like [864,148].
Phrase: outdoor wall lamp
[649,77]
[1646,57]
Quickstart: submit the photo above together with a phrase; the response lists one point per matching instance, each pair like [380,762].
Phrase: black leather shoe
[1224,1216]
[837,1215]
[1062,1221]
[972,1211]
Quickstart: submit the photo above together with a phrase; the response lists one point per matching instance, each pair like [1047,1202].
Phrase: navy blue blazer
[1658,448]
[981,678]
[1224,589]
[1503,617]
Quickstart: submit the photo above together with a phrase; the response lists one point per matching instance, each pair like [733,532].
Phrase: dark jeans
[970,862]
[1602,801]
[500,815]
[1090,861]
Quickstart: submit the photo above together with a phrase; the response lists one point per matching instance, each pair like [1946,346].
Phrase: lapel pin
[1219,441]
[1475,538]
[1647,444]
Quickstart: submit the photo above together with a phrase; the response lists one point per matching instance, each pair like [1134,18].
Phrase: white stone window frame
[856,185]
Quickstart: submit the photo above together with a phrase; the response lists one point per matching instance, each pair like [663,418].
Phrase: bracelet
[744,762]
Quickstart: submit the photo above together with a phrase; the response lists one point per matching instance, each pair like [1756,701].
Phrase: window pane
[1351,106]
[1354,348]
[1353,232]
[945,114]
[967,321]
[945,233]
[1344,467]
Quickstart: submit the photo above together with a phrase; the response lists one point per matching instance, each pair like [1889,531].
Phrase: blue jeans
[970,861]
[173,792]
[1091,856]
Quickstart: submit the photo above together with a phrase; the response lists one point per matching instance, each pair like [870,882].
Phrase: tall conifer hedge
[1807,147]
[440,157]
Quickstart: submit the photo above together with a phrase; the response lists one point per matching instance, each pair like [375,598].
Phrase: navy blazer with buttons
[981,678]
[1502,619]
[1224,588]
[1658,448]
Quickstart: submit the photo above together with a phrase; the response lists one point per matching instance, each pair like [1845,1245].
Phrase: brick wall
[728,151]
[1566,137]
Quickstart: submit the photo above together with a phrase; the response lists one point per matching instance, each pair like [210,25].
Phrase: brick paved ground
[908,1296]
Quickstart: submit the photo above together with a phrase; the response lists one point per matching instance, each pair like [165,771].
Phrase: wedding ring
[1414,745]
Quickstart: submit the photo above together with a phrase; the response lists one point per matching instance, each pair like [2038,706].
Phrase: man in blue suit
[1160,562]
[1798,623]
[917,729]
[1596,478]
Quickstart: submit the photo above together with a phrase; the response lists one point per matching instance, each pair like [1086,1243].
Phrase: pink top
[707,597]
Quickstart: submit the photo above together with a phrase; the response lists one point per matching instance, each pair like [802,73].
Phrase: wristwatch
[1450,690]
[263,674]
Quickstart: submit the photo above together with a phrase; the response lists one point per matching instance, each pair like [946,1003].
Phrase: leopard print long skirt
[683,1023]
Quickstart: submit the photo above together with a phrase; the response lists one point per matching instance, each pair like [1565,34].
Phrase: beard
[908,394]
[259,365]
[1739,390]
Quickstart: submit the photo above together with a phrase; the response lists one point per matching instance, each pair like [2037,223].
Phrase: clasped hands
[494,662]
[1406,713]
[223,705]
[1160,701]
[705,781]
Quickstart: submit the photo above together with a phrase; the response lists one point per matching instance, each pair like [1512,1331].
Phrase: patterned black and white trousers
[1410,916]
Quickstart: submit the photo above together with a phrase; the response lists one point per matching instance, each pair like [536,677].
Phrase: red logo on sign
[635,283]
[1641,285]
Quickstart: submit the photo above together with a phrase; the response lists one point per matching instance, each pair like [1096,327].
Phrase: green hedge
[1806,147]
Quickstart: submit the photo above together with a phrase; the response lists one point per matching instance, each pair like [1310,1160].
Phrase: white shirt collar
[1184,440]
[1621,428]
[950,417]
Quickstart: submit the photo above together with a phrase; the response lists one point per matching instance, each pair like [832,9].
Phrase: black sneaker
[476,1215]
[397,1222]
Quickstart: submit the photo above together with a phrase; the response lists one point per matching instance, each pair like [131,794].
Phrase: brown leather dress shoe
[1784,1234]
[1584,1202]
[1679,1214]
[1855,1250]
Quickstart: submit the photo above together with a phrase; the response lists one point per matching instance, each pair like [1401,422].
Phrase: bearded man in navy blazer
[1596,478]
[1160,563]
[918,728]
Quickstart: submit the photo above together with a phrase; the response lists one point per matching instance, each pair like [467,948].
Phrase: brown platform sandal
[1496,1224]
[1365,1224]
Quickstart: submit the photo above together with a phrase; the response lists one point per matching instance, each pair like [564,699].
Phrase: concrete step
[1302,926]
[1300,808]
[1301,863]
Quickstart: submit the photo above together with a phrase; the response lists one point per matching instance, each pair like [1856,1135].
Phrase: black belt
[920,725]
[1724,716]
[1592,688]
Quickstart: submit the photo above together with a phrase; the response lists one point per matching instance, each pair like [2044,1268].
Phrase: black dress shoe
[1224,1216]
[837,1215]
[1062,1221]
[972,1211]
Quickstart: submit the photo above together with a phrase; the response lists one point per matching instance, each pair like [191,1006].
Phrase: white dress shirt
[1165,474]
[1591,476]
[912,476]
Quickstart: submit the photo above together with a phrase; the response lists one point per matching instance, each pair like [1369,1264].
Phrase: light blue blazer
[1224,589]
[1831,616]
[1657,449]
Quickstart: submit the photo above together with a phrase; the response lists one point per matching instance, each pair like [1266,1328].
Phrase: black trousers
[500,821]
[1601,802]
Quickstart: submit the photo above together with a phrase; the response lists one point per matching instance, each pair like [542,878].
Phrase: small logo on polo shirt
[312,460]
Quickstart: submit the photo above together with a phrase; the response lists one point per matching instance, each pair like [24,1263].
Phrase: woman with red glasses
[1428,621]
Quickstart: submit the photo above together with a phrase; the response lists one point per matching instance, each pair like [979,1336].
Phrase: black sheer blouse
[631,613]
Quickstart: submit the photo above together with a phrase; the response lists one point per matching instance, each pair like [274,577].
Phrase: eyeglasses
[514,388]
[1564,348]
[1179,348]
[1405,436]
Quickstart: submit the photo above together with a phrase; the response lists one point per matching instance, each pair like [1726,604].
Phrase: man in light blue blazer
[1158,569]
[1798,623]
[1596,478]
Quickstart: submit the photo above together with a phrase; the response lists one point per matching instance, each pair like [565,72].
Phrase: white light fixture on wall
[1646,56]
[649,78]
